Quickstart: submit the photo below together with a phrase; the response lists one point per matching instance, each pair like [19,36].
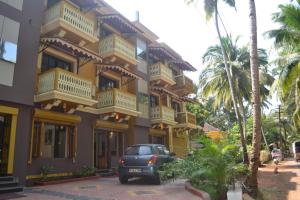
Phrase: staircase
[9,184]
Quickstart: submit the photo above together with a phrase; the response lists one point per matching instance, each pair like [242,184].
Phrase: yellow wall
[88,71]
[180,145]
[215,135]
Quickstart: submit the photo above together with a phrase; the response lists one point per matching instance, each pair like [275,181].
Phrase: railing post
[114,91]
[56,77]
[186,117]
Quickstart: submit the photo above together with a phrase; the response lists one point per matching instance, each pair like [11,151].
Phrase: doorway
[108,148]
[5,132]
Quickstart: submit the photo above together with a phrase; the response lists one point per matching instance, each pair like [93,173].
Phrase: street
[106,189]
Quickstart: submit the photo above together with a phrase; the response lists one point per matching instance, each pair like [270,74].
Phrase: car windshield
[138,150]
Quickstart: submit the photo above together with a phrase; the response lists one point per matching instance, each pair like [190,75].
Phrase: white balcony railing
[66,82]
[117,46]
[185,117]
[162,113]
[71,15]
[118,98]
[159,70]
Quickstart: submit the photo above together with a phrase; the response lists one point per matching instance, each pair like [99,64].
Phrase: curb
[203,195]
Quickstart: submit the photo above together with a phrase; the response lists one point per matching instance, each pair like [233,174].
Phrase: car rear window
[139,150]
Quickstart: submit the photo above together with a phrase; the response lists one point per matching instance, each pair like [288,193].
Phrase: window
[143,98]
[107,83]
[49,62]
[176,106]
[14,3]
[139,150]
[154,101]
[141,47]
[53,140]
[145,150]
[9,33]
[51,3]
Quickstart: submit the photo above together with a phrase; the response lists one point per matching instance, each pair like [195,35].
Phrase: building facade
[97,83]
[20,23]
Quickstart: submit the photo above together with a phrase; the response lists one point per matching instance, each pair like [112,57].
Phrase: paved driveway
[106,189]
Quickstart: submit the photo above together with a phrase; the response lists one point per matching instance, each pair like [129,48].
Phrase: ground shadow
[277,186]
[11,196]
[141,181]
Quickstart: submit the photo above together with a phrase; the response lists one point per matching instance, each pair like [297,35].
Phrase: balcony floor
[116,109]
[186,125]
[163,121]
[53,95]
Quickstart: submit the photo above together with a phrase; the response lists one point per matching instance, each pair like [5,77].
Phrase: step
[4,184]
[10,189]
[6,178]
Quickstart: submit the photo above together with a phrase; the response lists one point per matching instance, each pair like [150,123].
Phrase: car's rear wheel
[123,179]
[157,179]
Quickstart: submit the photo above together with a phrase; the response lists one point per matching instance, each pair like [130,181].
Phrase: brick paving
[282,186]
[106,189]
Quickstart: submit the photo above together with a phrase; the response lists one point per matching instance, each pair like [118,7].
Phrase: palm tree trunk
[256,140]
[232,92]
[244,118]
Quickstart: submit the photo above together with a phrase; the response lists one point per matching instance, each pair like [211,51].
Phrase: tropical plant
[214,82]
[212,168]
[45,171]
[256,110]
[211,9]
[286,40]
[85,171]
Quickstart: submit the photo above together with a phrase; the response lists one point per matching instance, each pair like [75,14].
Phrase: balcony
[162,114]
[117,101]
[185,120]
[66,20]
[58,84]
[184,85]
[114,47]
[160,73]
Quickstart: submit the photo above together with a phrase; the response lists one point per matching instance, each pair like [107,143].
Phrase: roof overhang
[160,52]
[164,90]
[118,69]
[119,23]
[184,65]
[69,47]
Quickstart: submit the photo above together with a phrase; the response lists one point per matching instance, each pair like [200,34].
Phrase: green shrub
[85,171]
[212,168]
[45,171]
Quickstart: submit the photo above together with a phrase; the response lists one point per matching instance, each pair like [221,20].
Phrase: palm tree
[286,40]
[213,79]
[211,8]
[256,138]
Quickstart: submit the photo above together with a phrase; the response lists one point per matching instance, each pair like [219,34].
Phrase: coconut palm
[256,111]
[213,79]
[286,40]
[211,9]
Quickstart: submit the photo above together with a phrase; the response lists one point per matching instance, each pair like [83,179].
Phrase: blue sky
[186,30]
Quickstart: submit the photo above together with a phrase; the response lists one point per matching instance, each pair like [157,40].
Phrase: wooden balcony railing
[185,117]
[65,13]
[183,82]
[163,113]
[64,83]
[117,98]
[160,71]
[114,45]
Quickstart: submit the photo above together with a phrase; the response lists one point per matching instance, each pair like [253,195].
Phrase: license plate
[135,170]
